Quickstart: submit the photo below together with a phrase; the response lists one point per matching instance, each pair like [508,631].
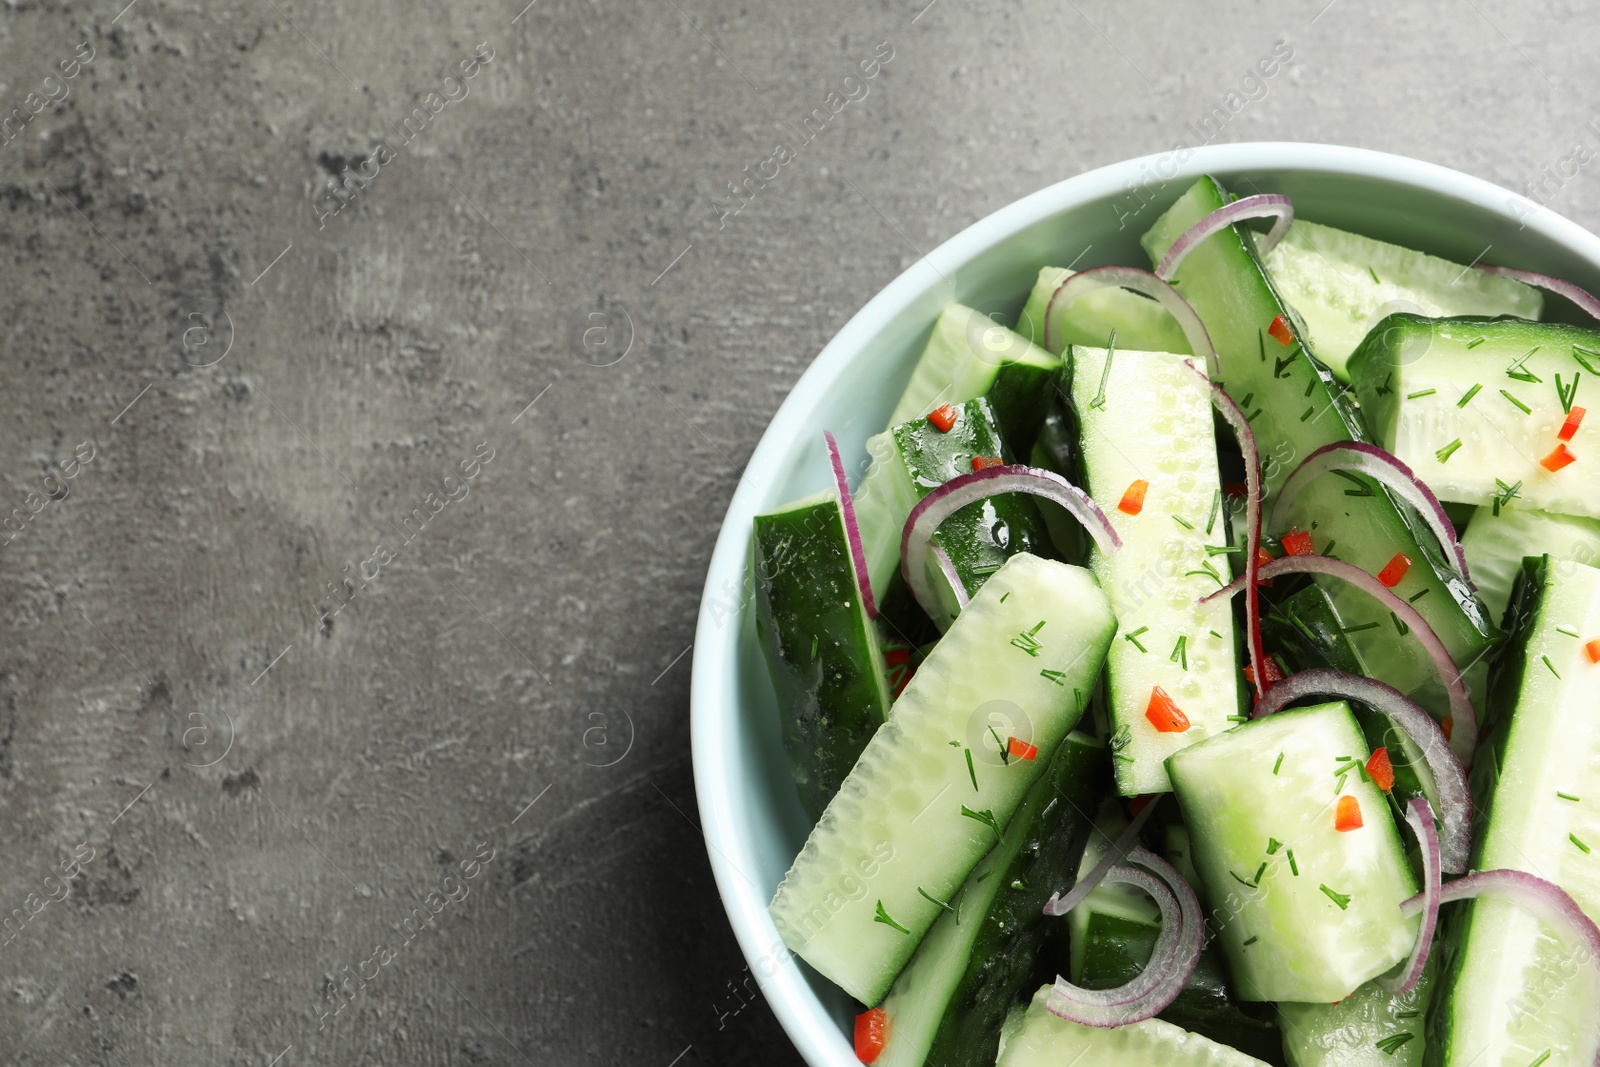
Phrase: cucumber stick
[1141,323]
[1145,421]
[1475,406]
[947,1006]
[1295,406]
[1515,990]
[1496,545]
[1307,912]
[914,816]
[1039,1038]
[1342,283]
[822,651]
[1369,1028]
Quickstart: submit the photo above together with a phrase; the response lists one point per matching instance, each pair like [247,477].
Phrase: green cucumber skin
[1010,933]
[1277,380]
[1497,544]
[1020,398]
[829,704]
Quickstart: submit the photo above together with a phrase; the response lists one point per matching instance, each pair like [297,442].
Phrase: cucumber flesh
[1163,569]
[1496,545]
[1141,323]
[962,360]
[1472,405]
[1369,1028]
[1306,912]
[822,651]
[855,902]
[1515,990]
[1342,283]
[1042,1039]
[947,1006]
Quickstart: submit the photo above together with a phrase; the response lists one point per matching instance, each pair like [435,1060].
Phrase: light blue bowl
[752,820]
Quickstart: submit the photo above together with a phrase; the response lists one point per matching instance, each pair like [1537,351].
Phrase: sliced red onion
[1451,795]
[852,532]
[1579,296]
[1260,206]
[1139,281]
[1387,469]
[1252,545]
[1464,735]
[1125,843]
[1420,818]
[916,539]
[1172,961]
[1548,902]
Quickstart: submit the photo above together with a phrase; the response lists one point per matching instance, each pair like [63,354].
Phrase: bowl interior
[751,817]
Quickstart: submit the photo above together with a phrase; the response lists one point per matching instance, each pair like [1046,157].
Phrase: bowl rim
[803,1016]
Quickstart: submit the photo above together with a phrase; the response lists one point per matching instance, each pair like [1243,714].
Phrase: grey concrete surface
[269,679]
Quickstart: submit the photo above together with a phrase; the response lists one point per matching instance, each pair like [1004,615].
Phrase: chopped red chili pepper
[1381,770]
[1139,803]
[1592,650]
[1348,815]
[872,1031]
[1570,427]
[980,463]
[1298,543]
[1021,749]
[1263,557]
[1395,570]
[943,417]
[1235,490]
[1448,725]
[1165,715]
[1132,500]
[1274,674]
[1281,332]
[1557,459]
[897,658]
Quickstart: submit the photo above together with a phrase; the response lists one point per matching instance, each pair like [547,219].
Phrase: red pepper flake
[1448,725]
[1235,490]
[980,463]
[1570,428]
[1139,803]
[1021,749]
[1274,675]
[872,1031]
[1298,543]
[1395,570]
[1348,816]
[897,660]
[1132,501]
[1263,557]
[1592,650]
[1281,332]
[1380,770]
[1557,459]
[943,417]
[1163,714]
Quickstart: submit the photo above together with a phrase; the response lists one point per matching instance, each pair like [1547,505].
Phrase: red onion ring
[1125,843]
[1260,206]
[1420,818]
[1388,470]
[1548,902]
[916,538]
[1139,281]
[1578,295]
[852,531]
[1464,736]
[1451,794]
[1172,961]
[1252,567]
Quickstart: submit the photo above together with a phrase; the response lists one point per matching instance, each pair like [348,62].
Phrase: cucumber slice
[947,1006]
[914,816]
[1496,544]
[1306,912]
[822,651]
[919,458]
[1472,405]
[1369,1028]
[1145,416]
[1042,1039]
[1343,283]
[1141,323]
[1296,406]
[1513,990]
[963,360]
[1115,901]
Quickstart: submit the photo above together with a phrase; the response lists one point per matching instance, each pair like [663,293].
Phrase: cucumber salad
[1206,670]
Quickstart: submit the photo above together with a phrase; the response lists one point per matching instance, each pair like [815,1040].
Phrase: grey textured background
[251,835]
